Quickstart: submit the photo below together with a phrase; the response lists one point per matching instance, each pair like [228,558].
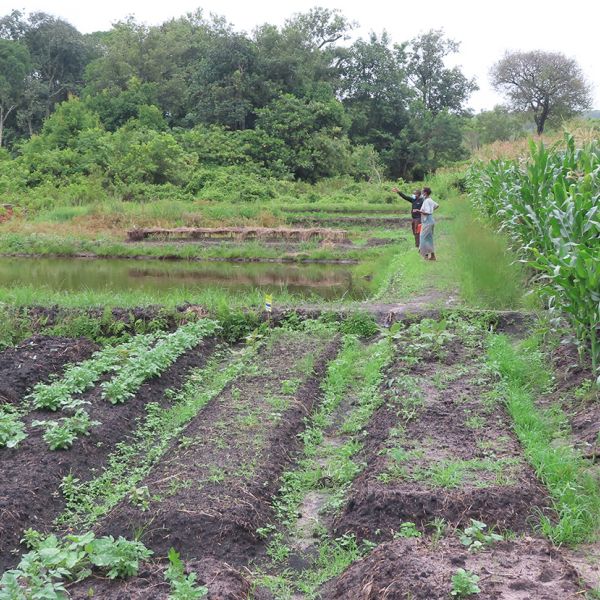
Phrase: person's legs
[415,230]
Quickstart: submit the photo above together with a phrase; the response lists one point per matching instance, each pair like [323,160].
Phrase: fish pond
[326,281]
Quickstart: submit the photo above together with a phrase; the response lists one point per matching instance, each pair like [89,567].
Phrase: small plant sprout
[183,587]
[475,536]
[140,497]
[464,584]
[407,530]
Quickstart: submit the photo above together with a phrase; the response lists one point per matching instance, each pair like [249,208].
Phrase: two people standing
[422,220]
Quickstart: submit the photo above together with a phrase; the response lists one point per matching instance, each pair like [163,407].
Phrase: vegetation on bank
[549,209]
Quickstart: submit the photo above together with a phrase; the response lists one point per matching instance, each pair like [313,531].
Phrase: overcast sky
[485,29]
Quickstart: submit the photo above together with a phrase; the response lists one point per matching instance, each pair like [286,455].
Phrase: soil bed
[523,569]
[214,490]
[32,473]
[437,449]
[34,360]
[223,583]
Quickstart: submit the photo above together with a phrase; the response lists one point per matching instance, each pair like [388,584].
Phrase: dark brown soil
[461,459]
[390,222]
[222,580]
[31,473]
[215,490]
[524,569]
[35,359]
[581,405]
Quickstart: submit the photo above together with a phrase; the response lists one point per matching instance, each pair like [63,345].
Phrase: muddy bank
[177,257]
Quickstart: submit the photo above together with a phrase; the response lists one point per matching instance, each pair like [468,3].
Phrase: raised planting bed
[426,569]
[34,360]
[30,490]
[441,447]
[240,233]
[213,490]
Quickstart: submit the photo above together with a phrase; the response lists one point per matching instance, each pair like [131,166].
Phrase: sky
[486,30]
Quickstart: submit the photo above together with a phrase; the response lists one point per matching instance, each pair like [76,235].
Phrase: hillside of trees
[166,105]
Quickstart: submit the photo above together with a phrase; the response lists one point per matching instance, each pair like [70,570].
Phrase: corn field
[548,204]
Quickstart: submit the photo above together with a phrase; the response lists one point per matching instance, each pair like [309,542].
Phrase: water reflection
[72,274]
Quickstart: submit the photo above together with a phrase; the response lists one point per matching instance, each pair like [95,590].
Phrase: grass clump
[559,465]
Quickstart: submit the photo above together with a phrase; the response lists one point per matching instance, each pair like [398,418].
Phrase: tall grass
[556,462]
[549,207]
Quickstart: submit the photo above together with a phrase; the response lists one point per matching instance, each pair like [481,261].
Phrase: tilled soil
[32,473]
[524,569]
[222,581]
[437,450]
[214,490]
[35,359]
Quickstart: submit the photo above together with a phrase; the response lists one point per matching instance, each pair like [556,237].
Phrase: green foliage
[359,323]
[119,558]
[549,208]
[475,537]
[82,376]
[155,360]
[61,434]
[558,464]
[464,584]
[407,530]
[235,325]
[12,430]
[16,326]
[183,587]
[42,572]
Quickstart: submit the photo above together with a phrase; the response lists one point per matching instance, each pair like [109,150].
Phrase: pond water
[75,274]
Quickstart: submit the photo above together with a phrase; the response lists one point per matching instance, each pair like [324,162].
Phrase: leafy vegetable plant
[11,428]
[464,584]
[183,587]
[61,434]
[475,537]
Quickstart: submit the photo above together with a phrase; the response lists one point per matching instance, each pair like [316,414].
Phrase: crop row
[549,207]
[133,362]
[80,377]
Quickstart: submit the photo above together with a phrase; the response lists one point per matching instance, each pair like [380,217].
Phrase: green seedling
[183,587]
[475,536]
[407,530]
[464,584]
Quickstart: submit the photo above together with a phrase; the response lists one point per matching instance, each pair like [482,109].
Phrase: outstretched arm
[405,196]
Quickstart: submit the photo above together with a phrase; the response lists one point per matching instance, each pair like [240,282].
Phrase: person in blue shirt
[417,201]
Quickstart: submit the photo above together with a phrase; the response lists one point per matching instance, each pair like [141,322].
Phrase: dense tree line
[297,100]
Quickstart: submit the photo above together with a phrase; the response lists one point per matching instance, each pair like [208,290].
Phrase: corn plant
[155,360]
[550,207]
